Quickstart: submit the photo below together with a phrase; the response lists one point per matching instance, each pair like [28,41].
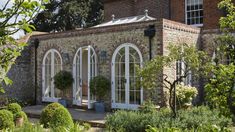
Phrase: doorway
[84,69]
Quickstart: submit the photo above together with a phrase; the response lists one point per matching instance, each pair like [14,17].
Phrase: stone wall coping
[169,24]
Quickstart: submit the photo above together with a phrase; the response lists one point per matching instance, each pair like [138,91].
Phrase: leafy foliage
[212,128]
[128,121]
[99,86]
[228,22]
[63,80]
[14,18]
[6,119]
[47,113]
[148,107]
[61,119]
[219,89]
[14,108]
[153,75]
[63,15]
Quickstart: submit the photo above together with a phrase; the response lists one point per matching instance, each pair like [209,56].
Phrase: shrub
[6,119]
[28,127]
[47,113]
[148,107]
[63,80]
[187,119]
[61,118]
[99,86]
[76,128]
[21,114]
[14,108]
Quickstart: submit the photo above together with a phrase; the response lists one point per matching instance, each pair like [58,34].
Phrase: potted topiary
[99,87]
[20,118]
[63,80]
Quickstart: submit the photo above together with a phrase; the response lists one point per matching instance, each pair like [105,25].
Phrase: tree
[63,15]
[220,91]
[153,74]
[14,17]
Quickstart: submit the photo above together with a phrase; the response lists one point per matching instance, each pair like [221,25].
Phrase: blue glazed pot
[99,107]
[63,102]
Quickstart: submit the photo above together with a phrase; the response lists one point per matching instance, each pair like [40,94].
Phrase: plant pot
[63,102]
[19,121]
[99,107]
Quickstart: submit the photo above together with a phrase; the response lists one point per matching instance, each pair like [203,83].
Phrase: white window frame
[186,16]
[125,105]
[188,80]
[53,52]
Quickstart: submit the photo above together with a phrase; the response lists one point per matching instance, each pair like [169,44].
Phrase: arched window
[125,92]
[52,64]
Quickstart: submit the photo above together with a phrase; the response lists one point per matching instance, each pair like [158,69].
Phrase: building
[111,49]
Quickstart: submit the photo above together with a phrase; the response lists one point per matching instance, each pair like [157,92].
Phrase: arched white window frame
[91,98]
[125,105]
[53,52]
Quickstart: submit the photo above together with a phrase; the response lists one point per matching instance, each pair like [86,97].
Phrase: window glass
[194,12]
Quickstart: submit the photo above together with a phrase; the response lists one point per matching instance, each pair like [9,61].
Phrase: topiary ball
[61,118]
[14,108]
[63,80]
[21,114]
[47,113]
[6,119]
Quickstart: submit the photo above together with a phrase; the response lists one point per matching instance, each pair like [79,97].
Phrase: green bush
[47,113]
[63,80]
[148,107]
[76,128]
[21,114]
[187,119]
[99,86]
[61,118]
[14,108]
[6,120]
[212,128]
[29,127]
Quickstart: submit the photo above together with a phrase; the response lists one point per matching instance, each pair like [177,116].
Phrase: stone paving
[88,116]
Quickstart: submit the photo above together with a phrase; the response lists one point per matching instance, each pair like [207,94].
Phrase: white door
[125,93]
[77,75]
[92,72]
[52,64]
[78,72]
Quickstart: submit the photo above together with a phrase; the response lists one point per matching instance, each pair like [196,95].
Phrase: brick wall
[210,9]
[211,14]
[177,11]
[126,8]
[108,39]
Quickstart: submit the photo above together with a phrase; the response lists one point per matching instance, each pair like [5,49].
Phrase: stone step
[79,115]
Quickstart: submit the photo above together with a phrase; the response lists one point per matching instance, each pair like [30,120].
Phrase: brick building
[111,48]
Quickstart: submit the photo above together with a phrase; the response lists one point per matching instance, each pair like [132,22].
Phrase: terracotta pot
[19,121]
